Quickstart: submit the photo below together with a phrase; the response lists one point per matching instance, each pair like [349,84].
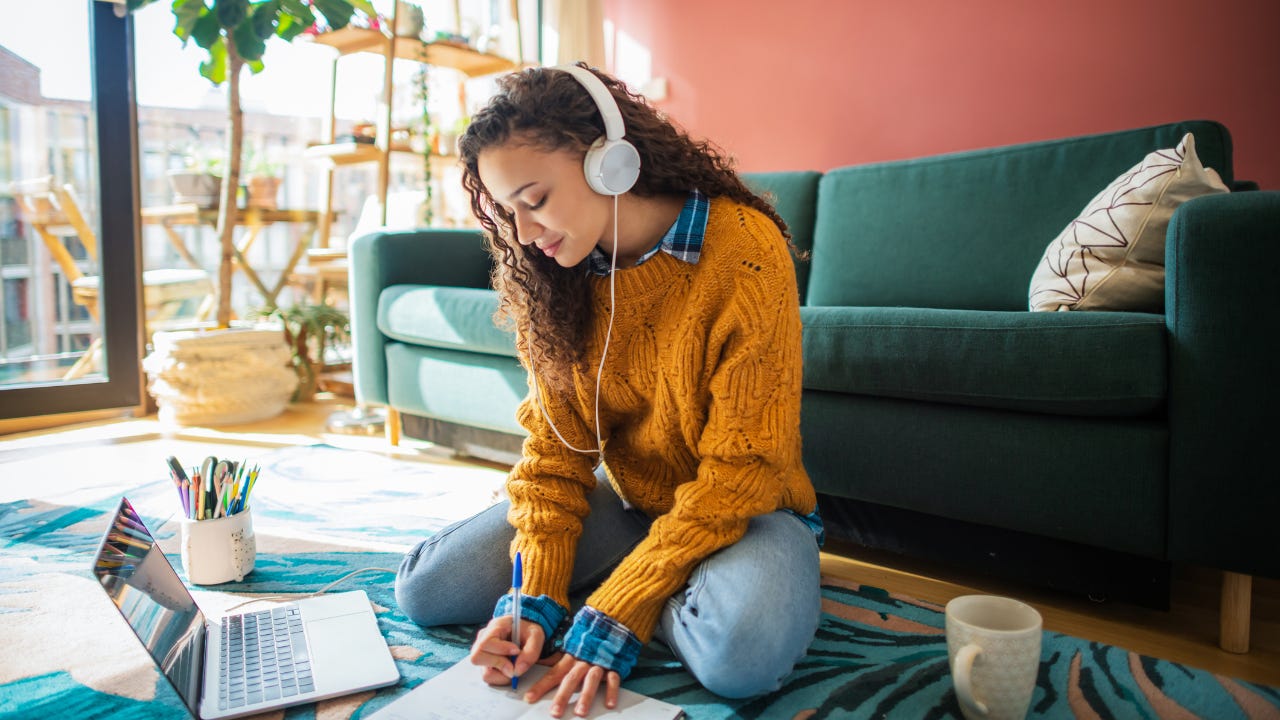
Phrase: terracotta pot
[262,192]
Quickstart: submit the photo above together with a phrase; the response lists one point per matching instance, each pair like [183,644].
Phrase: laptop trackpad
[327,606]
[350,651]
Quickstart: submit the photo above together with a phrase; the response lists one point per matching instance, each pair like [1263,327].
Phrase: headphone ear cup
[611,166]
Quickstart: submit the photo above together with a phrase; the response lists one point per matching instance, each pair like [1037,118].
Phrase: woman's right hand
[494,648]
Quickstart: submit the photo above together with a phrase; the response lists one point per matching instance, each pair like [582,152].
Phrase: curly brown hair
[548,306]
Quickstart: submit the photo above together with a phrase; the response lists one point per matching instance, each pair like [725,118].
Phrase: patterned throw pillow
[1111,257]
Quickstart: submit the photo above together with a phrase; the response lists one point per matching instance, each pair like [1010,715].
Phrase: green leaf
[336,12]
[365,7]
[264,18]
[215,68]
[248,44]
[231,12]
[296,9]
[294,20]
[132,5]
[288,29]
[206,31]
[186,15]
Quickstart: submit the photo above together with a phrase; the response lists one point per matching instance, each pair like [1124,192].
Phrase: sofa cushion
[1094,364]
[467,388]
[444,317]
[1111,257]
[966,230]
[1097,481]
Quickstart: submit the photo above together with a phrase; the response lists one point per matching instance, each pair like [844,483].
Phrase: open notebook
[460,693]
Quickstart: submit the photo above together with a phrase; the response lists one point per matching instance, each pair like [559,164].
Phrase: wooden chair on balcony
[52,211]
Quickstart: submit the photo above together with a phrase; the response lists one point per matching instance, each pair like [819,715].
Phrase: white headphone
[612,164]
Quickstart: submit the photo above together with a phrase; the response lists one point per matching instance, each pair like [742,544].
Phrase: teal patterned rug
[321,512]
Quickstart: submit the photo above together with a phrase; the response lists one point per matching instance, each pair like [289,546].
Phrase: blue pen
[517,579]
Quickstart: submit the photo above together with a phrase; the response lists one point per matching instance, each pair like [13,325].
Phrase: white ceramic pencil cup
[219,550]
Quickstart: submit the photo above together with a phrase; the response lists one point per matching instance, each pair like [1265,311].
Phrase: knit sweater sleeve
[548,489]
[751,436]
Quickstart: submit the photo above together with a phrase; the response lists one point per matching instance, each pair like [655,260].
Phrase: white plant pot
[220,377]
[409,19]
[200,188]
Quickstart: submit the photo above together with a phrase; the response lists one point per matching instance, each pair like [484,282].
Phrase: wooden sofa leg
[393,427]
[1237,597]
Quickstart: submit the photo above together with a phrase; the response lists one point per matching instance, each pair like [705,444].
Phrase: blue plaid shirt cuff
[601,640]
[541,609]
[814,521]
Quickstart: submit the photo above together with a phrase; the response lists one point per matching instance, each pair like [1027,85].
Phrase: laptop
[282,655]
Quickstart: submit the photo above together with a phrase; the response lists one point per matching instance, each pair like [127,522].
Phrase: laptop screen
[155,603]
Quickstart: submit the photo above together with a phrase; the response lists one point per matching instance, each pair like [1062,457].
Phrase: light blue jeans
[744,619]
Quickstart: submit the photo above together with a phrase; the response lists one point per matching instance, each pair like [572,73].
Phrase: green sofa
[929,387]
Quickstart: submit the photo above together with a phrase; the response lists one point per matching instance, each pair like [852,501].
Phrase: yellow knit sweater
[700,415]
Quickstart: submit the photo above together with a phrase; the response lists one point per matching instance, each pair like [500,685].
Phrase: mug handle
[961,672]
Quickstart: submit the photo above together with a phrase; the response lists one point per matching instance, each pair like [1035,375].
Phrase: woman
[658,317]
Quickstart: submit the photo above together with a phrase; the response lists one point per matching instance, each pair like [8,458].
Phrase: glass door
[70,303]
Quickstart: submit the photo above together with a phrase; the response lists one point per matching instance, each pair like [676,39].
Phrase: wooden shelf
[348,153]
[442,54]
[350,40]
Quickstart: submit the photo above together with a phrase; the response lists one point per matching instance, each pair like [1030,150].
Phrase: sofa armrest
[414,257]
[1221,258]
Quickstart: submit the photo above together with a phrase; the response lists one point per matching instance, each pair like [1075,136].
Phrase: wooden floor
[1186,634]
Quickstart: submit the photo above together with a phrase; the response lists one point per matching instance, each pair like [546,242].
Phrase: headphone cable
[604,352]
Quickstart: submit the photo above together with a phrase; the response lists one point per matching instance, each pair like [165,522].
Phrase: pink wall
[816,84]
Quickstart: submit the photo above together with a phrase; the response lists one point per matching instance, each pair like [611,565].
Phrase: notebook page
[460,693]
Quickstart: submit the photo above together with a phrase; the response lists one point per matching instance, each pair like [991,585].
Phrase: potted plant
[262,186]
[409,19]
[232,374]
[309,328]
[199,181]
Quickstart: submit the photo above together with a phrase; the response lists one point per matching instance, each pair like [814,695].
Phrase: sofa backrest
[966,230]
[794,195]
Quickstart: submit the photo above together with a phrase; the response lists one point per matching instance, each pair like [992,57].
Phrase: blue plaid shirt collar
[683,240]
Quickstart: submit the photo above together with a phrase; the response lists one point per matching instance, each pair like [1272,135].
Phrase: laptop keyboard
[264,658]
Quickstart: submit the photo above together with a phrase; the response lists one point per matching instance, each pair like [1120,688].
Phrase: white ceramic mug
[993,644]
[219,550]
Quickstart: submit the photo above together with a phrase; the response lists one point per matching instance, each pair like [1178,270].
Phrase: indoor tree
[235,34]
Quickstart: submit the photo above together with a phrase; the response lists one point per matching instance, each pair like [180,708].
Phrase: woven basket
[220,377]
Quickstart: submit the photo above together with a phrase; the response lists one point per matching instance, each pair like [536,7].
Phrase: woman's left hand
[576,676]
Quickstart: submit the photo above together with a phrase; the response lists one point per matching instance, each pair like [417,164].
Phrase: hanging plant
[423,92]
